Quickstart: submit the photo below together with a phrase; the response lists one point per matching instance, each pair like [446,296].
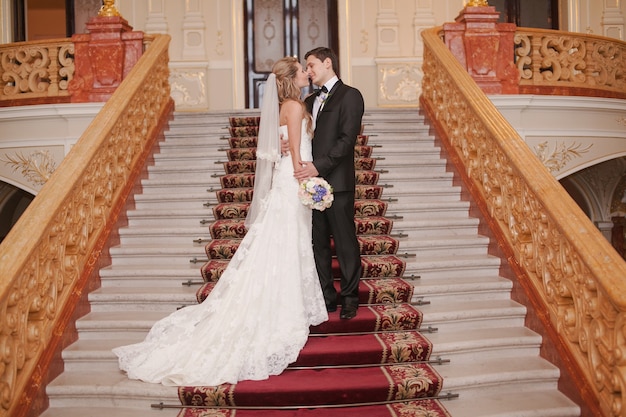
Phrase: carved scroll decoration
[552,58]
[36,69]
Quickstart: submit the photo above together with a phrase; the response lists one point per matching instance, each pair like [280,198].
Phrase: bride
[256,320]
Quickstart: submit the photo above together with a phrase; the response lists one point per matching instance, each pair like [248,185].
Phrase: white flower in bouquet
[316,193]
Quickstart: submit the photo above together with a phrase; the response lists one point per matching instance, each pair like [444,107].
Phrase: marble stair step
[171,276]
[448,245]
[443,316]
[465,345]
[87,411]
[425,165]
[501,375]
[421,227]
[408,173]
[452,266]
[426,180]
[430,192]
[114,389]
[155,254]
[178,185]
[114,324]
[527,404]
[203,170]
[473,315]
[417,152]
[156,201]
[534,402]
[188,156]
[482,345]
[208,133]
[134,299]
[184,156]
[452,289]
[169,217]
[401,127]
[169,235]
[410,136]
[415,207]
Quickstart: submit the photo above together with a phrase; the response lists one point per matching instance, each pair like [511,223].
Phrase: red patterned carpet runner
[375,365]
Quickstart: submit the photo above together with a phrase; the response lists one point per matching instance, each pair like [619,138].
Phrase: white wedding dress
[256,320]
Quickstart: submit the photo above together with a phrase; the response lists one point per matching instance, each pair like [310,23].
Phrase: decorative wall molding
[424,18]
[387,27]
[613,19]
[194,32]
[399,82]
[37,167]
[156,21]
[188,85]
[556,155]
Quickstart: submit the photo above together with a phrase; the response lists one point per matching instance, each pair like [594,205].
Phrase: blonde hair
[286,70]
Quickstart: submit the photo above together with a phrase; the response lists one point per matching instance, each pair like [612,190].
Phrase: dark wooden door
[27,16]
[543,14]
[278,28]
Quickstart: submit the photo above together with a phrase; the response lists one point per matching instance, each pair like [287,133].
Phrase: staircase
[468,316]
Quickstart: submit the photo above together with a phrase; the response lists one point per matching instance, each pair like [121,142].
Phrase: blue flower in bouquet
[316,193]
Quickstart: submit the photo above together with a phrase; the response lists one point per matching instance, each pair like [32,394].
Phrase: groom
[337,112]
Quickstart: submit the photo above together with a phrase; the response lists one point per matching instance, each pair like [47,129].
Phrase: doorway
[542,14]
[278,28]
[42,19]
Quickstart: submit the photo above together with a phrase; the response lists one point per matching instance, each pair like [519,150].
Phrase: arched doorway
[13,202]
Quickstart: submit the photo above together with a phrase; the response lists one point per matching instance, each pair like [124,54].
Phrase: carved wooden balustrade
[555,62]
[36,70]
[50,253]
[573,277]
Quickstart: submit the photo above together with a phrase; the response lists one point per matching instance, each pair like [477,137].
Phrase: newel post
[484,48]
[103,57]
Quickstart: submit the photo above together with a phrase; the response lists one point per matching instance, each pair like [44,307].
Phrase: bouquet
[316,193]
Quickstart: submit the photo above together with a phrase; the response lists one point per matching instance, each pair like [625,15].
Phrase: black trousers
[338,222]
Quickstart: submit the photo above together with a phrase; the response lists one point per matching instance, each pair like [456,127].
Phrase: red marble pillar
[103,57]
[484,48]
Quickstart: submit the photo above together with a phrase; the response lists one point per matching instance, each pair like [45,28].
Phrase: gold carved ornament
[477,3]
[108,9]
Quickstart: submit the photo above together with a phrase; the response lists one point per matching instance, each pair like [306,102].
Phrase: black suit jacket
[337,127]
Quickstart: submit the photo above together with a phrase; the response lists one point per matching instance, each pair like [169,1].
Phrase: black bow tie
[321,90]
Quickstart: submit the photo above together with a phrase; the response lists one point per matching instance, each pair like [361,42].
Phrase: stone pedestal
[485,48]
[103,57]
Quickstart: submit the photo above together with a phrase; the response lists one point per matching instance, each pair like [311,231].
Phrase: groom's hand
[307,170]
[284,146]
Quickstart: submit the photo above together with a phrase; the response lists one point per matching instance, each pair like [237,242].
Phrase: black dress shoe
[331,308]
[348,312]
